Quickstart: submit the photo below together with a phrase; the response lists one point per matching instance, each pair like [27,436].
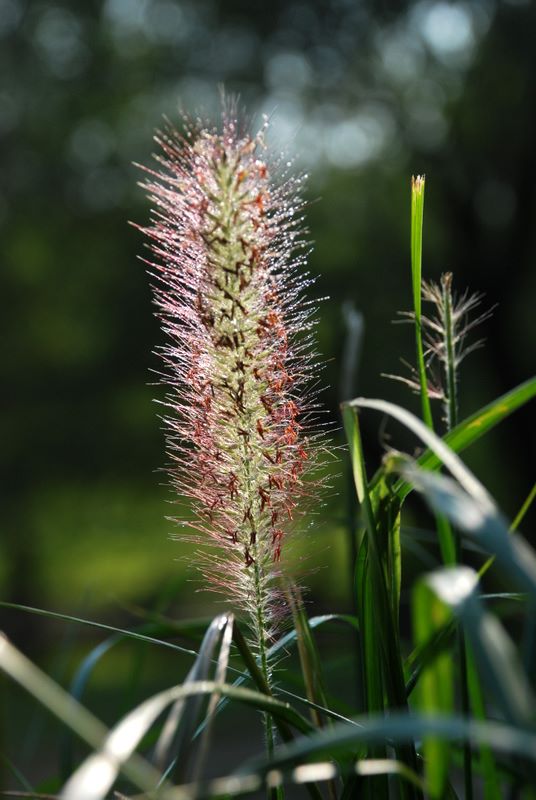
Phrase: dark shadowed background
[363,94]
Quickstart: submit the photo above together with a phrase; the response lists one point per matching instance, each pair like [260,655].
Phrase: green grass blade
[17,774]
[69,711]
[77,688]
[353,436]
[474,427]
[177,629]
[417,214]
[379,557]
[435,689]
[387,512]
[250,662]
[442,451]
[220,677]
[371,646]
[309,656]
[495,655]
[174,742]
[363,770]
[286,641]
[258,678]
[377,586]
[120,743]
[310,666]
[175,739]
[399,727]
[447,542]
[490,773]
[426,652]
[484,523]
[524,508]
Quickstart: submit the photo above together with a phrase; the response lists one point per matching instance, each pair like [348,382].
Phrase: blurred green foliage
[365,94]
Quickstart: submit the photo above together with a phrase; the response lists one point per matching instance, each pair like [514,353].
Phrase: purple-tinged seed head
[227,242]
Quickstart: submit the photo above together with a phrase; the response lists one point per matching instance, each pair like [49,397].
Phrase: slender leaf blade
[474,427]
[378,618]
[417,215]
[399,727]
[490,773]
[435,692]
[484,523]
[69,711]
[494,652]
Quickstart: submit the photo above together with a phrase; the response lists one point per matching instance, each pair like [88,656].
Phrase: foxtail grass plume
[227,240]
[445,336]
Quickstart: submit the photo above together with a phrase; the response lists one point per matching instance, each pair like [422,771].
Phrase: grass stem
[466,710]
[417,213]
[450,544]
[452,421]
[275,793]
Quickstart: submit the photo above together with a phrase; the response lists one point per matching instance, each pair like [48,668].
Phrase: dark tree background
[365,94]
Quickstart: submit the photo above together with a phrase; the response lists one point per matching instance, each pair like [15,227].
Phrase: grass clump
[444,710]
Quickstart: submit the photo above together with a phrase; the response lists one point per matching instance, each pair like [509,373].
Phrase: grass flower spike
[226,233]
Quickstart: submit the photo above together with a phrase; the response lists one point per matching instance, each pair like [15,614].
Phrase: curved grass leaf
[116,747]
[98,772]
[494,652]
[177,630]
[473,510]
[378,585]
[189,627]
[288,640]
[311,665]
[442,451]
[95,777]
[482,521]
[236,785]
[470,430]
[497,659]
[290,637]
[76,689]
[399,727]
[69,711]
[220,677]
[79,682]
[175,739]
